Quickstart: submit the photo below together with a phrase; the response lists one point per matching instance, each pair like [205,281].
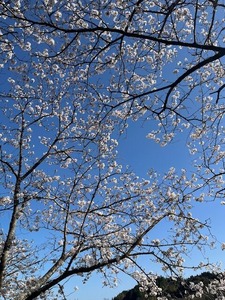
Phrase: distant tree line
[175,289]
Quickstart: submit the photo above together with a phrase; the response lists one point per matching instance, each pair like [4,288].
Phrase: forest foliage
[178,288]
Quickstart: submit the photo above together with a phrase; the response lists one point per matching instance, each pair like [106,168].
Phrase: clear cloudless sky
[143,154]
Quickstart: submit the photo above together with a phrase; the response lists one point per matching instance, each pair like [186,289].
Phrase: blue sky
[143,154]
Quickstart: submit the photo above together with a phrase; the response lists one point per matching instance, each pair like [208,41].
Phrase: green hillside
[172,289]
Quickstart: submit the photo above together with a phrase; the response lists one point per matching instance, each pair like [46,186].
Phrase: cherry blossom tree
[73,75]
